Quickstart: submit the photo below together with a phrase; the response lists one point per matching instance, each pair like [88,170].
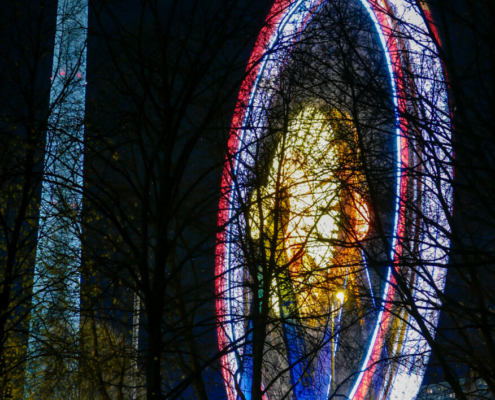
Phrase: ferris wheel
[298,215]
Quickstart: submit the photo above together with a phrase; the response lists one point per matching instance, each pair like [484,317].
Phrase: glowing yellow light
[340,296]
[309,205]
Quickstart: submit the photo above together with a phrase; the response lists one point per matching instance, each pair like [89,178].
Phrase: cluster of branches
[315,205]
[163,78]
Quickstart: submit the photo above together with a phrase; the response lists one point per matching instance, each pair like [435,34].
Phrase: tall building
[55,312]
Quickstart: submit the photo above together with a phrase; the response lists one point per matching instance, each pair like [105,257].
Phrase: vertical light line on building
[56,285]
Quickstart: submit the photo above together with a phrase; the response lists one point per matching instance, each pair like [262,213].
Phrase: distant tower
[56,285]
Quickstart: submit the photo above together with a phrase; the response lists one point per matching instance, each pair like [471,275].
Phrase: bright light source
[306,184]
[340,296]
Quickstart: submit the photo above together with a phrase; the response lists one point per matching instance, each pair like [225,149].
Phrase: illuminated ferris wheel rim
[290,18]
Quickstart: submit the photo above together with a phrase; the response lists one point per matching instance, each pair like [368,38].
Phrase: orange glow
[316,209]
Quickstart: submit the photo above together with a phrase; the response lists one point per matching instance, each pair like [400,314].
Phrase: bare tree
[157,118]
[309,200]
[464,344]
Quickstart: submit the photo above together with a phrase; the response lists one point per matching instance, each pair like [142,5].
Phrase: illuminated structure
[56,294]
[285,24]
[312,203]
[312,171]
